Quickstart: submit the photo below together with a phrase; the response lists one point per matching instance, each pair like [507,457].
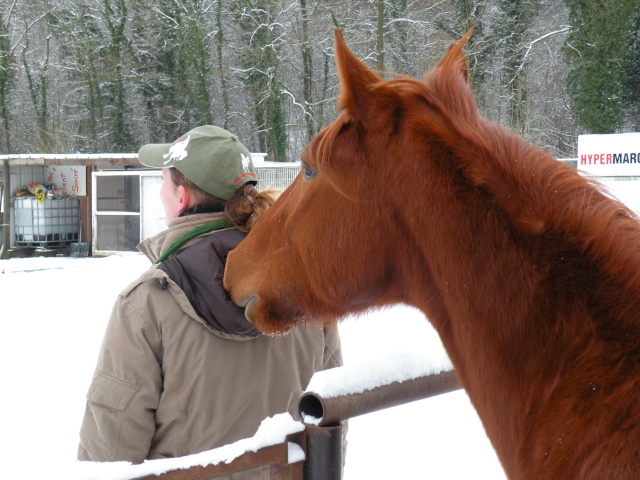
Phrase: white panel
[153,219]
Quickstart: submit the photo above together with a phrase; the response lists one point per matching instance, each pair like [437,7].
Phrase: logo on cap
[245,162]
[177,152]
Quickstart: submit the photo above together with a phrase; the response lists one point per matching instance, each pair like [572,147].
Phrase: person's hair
[242,212]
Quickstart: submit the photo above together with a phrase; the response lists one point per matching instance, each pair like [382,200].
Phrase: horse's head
[338,239]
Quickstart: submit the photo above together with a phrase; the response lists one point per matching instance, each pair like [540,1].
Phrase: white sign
[614,155]
[70,180]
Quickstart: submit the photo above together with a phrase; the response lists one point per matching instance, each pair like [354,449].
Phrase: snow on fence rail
[313,450]
[293,450]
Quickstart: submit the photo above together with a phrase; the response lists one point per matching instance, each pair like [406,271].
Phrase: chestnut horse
[529,272]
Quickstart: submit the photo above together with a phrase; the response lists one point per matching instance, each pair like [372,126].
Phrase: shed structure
[111,201]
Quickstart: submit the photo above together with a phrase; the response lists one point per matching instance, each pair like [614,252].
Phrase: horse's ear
[455,60]
[355,78]
[450,79]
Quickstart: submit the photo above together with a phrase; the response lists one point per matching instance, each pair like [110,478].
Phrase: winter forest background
[110,75]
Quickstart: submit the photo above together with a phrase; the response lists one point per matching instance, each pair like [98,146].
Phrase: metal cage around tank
[49,222]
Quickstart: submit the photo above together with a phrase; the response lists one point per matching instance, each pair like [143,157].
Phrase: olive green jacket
[169,384]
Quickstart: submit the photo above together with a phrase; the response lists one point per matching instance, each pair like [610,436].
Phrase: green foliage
[113,56]
[307,69]
[221,71]
[596,48]
[399,28]
[631,68]
[259,56]
[119,73]
[515,17]
[96,51]
[173,66]
[38,84]
[8,80]
[461,16]
[161,73]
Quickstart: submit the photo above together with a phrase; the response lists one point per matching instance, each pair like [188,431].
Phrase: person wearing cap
[181,370]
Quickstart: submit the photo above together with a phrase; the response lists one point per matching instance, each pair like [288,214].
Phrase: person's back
[181,370]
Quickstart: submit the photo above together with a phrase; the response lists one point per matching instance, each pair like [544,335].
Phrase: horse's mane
[537,192]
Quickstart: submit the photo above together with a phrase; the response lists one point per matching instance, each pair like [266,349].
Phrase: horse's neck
[525,316]
[478,287]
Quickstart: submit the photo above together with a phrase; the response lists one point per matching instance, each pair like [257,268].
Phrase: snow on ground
[53,313]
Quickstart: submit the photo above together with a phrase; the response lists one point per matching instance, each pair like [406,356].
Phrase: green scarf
[184,238]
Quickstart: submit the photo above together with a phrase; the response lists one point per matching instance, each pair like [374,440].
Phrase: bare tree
[36,61]
[8,72]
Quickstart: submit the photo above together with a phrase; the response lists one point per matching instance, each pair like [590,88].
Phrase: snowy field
[53,315]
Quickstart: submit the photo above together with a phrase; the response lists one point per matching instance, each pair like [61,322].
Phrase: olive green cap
[211,157]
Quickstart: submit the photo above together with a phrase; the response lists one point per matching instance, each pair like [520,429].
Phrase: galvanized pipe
[332,411]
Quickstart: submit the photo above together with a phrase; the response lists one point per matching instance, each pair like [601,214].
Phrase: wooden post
[86,230]
[6,216]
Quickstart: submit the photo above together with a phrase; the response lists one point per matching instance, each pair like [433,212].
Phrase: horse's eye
[308,172]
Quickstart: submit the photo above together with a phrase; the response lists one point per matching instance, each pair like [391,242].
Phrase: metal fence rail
[274,457]
[333,410]
[322,443]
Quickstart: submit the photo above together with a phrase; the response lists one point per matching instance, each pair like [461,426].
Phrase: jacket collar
[154,246]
